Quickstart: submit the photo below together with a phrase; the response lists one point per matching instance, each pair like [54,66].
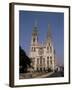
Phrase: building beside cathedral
[42,54]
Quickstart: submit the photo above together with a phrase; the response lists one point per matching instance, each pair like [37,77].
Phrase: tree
[24,61]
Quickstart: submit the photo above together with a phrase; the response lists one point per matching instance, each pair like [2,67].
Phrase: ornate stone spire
[49,35]
[35,29]
[35,23]
[35,34]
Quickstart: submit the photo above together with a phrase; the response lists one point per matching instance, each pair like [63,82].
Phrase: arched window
[37,61]
[47,58]
[47,49]
[49,44]
[44,62]
[50,61]
[50,49]
[33,39]
[41,61]
[33,49]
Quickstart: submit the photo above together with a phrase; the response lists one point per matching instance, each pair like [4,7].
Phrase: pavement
[56,74]
[45,75]
[35,75]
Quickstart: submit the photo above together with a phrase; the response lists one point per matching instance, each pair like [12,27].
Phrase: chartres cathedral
[42,55]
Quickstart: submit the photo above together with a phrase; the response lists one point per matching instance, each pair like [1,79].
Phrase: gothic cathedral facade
[42,55]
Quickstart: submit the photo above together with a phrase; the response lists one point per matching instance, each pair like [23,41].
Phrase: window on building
[50,49]
[33,39]
[33,49]
[50,61]
[47,49]
[44,61]
[37,68]
[37,60]
[47,58]
[49,44]
[40,60]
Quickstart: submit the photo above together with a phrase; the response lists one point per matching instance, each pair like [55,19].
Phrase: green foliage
[24,61]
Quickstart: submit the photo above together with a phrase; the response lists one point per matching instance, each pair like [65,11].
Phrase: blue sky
[56,20]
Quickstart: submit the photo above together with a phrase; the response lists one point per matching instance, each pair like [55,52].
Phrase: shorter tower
[33,47]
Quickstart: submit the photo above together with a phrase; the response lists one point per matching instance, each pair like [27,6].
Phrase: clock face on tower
[41,51]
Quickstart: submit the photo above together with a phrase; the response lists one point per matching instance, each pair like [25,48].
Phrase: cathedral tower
[33,47]
[49,34]
[50,49]
[35,35]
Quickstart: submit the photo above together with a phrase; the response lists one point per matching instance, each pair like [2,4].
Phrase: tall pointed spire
[35,23]
[49,36]
[35,28]
[35,34]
